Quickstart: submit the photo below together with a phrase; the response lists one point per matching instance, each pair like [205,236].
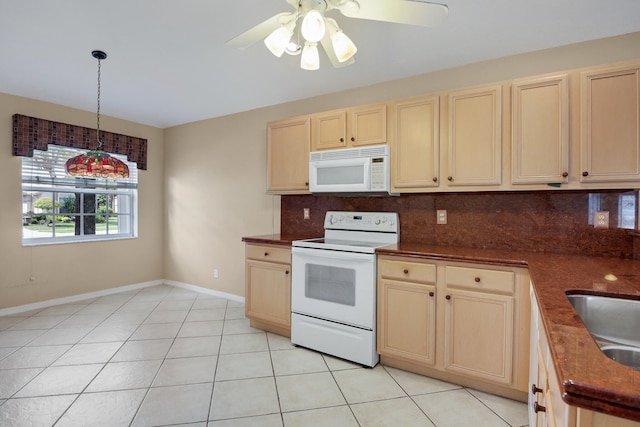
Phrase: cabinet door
[540,131]
[475,136]
[329,130]
[367,125]
[407,321]
[610,120]
[268,293]
[479,335]
[288,156]
[415,145]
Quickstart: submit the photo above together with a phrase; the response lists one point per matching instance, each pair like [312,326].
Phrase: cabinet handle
[286,272]
[306,184]
[448,297]
[341,139]
[406,271]
[565,174]
[435,179]
[431,294]
[535,389]
[352,139]
[477,279]
[585,173]
[538,408]
[266,254]
[450,178]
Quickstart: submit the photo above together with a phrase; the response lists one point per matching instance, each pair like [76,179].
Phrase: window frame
[126,191]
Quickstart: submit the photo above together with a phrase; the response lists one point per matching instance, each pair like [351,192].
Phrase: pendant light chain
[98,111]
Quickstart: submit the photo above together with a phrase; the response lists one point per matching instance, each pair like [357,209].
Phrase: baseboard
[207,291]
[76,298]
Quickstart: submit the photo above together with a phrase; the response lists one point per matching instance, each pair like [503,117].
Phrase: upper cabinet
[415,144]
[540,130]
[475,136]
[610,124]
[354,127]
[288,156]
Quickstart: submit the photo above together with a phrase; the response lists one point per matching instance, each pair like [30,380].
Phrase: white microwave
[350,170]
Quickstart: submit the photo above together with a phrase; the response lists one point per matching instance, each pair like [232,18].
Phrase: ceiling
[168,64]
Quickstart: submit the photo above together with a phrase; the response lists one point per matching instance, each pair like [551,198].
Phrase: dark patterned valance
[30,133]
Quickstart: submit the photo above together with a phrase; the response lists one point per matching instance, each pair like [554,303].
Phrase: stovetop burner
[355,232]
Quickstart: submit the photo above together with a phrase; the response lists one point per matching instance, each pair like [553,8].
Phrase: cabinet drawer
[415,272]
[269,253]
[481,279]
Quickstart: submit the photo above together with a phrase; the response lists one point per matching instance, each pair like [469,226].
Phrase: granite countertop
[588,378]
[275,239]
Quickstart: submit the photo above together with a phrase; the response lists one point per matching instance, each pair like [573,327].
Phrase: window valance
[30,133]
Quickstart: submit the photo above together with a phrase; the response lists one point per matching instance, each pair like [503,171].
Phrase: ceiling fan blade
[327,45]
[259,32]
[413,12]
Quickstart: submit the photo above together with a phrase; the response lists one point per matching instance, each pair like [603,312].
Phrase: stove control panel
[362,221]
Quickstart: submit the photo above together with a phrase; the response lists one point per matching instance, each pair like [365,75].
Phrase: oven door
[333,285]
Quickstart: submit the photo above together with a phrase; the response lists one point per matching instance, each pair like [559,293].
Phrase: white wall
[76,268]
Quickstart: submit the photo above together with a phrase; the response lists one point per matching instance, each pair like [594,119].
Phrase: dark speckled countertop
[589,378]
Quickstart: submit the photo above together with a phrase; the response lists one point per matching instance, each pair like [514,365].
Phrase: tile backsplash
[537,221]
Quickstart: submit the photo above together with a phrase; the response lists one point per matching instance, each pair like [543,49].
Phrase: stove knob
[333,219]
[377,221]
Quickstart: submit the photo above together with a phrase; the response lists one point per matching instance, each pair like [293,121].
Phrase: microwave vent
[350,153]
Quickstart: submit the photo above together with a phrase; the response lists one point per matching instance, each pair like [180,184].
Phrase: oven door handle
[340,255]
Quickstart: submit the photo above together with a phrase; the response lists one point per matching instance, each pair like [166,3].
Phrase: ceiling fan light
[313,26]
[278,40]
[310,59]
[343,46]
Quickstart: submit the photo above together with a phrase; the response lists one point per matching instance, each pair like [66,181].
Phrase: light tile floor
[168,356]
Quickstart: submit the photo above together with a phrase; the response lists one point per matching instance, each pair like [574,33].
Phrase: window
[59,208]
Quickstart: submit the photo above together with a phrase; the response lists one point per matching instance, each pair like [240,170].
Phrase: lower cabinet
[463,323]
[268,287]
[407,311]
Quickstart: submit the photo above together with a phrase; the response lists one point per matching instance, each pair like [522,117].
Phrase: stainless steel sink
[629,356]
[614,323]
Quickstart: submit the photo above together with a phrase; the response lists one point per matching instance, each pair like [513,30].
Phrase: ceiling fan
[280,35]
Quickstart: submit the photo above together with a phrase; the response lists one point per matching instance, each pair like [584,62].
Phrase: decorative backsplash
[538,221]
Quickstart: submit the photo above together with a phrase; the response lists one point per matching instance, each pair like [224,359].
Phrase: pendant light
[97,163]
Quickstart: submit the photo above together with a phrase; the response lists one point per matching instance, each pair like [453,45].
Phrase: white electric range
[333,285]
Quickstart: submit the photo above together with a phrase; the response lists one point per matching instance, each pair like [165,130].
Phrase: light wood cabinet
[407,310]
[479,318]
[610,124]
[288,155]
[540,130]
[415,144]
[268,287]
[475,137]
[458,322]
[355,127]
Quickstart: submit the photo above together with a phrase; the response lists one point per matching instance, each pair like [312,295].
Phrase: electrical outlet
[216,273]
[601,219]
[441,217]
[306,213]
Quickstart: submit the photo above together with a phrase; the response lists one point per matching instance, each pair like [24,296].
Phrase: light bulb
[310,59]
[277,41]
[313,26]
[343,46]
